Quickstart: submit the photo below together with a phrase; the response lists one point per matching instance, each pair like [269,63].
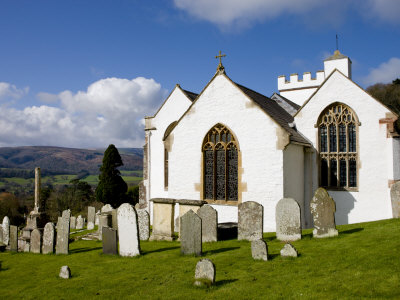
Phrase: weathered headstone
[395,196]
[110,242]
[96,219]
[114,219]
[6,230]
[36,241]
[27,247]
[106,208]
[104,221]
[323,211]
[250,221]
[65,272]
[72,224]
[205,273]
[79,222]
[91,217]
[59,220]
[209,223]
[259,250]
[190,227]
[128,234]
[144,224]
[287,218]
[185,205]
[288,250]
[62,246]
[48,238]
[13,238]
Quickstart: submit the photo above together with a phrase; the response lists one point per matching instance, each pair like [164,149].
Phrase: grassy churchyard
[362,262]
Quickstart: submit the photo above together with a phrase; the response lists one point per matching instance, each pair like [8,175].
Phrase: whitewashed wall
[372,201]
[222,102]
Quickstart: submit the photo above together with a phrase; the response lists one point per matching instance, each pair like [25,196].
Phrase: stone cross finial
[37,189]
[220,66]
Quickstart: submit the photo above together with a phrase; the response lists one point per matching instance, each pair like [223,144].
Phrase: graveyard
[361,262]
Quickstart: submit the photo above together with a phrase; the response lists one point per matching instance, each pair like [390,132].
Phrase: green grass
[362,262]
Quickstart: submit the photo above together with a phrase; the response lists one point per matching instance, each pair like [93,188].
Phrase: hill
[59,160]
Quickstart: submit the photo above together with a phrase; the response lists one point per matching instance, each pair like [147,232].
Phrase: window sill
[341,189]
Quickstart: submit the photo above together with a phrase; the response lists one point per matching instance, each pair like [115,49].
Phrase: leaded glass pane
[324,172]
[333,172]
[323,139]
[232,180]
[209,174]
[220,174]
[352,173]
[332,138]
[352,137]
[342,138]
[343,173]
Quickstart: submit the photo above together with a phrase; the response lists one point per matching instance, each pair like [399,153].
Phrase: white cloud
[385,10]
[384,73]
[10,91]
[109,111]
[47,97]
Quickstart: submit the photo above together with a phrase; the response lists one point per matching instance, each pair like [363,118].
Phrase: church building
[230,144]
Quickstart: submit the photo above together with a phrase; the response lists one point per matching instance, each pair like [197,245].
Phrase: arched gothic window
[338,128]
[220,159]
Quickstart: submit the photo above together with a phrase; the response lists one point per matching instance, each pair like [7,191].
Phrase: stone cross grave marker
[62,246]
[205,272]
[6,230]
[323,211]
[288,222]
[144,224]
[259,250]
[209,223]
[395,196]
[128,234]
[48,238]
[13,238]
[110,242]
[36,241]
[91,217]
[250,221]
[79,222]
[190,226]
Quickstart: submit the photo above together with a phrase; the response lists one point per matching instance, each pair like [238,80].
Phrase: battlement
[295,83]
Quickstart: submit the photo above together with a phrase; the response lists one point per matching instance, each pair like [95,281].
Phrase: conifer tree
[112,188]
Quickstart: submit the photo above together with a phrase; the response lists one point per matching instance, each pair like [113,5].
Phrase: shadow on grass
[161,250]
[221,250]
[273,256]
[351,231]
[87,249]
[225,281]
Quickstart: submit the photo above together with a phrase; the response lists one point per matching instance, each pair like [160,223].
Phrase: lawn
[362,262]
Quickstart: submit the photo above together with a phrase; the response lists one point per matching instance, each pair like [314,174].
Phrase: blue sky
[85,73]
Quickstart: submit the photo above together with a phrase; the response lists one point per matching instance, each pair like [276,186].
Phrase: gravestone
[13,238]
[163,219]
[128,234]
[59,220]
[91,217]
[6,230]
[144,224]
[110,242]
[114,219]
[36,241]
[323,211]
[72,224]
[1,234]
[48,238]
[104,221]
[106,208]
[190,227]
[287,218]
[96,219]
[395,196]
[65,272]
[79,222]
[62,246]
[205,272]
[259,250]
[250,221]
[288,251]
[209,223]
[27,247]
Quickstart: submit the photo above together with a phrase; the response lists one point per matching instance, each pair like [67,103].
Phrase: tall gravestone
[62,246]
[48,238]
[72,223]
[110,242]
[13,238]
[190,226]
[209,223]
[323,211]
[91,217]
[395,197]
[128,234]
[144,224]
[36,241]
[104,221]
[250,221]
[6,230]
[79,222]
[288,221]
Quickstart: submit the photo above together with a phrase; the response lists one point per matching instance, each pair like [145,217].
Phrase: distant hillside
[65,160]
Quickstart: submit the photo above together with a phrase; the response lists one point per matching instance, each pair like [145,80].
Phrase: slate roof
[273,109]
[190,94]
[336,55]
[291,103]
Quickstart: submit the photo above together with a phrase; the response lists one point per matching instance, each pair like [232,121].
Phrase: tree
[133,194]
[111,188]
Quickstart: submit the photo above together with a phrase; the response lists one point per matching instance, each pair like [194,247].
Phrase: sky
[84,73]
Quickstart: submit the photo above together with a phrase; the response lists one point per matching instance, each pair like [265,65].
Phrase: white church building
[230,144]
